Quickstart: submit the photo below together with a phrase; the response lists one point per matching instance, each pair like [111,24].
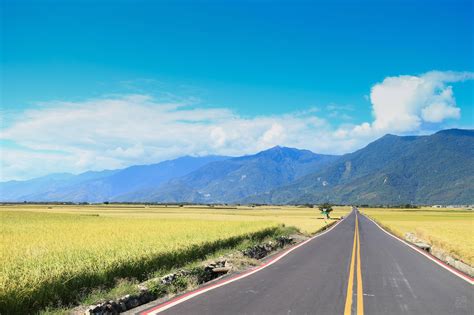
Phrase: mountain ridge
[100,186]
[235,178]
[432,169]
[429,169]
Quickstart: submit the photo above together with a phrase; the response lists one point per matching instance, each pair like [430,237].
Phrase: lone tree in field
[325,209]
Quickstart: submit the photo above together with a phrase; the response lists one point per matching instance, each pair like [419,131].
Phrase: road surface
[355,268]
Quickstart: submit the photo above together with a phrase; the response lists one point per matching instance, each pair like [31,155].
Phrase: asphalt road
[355,268]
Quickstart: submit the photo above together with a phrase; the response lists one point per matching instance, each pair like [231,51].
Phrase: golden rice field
[448,229]
[54,253]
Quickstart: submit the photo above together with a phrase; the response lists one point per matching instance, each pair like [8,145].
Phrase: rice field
[52,254]
[448,229]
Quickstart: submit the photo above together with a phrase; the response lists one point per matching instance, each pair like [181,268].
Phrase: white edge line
[462,276]
[204,290]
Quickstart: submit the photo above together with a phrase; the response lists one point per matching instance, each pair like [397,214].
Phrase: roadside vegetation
[447,229]
[55,255]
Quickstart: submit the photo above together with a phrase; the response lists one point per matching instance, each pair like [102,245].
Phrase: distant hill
[235,179]
[435,169]
[20,190]
[100,186]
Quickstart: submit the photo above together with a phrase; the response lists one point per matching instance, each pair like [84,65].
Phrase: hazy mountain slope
[20,190]
[87,188]
[426,170]
[237,178]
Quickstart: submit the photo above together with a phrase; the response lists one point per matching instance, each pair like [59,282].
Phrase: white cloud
[135,129]
[274,135]
[437,112]
[119,131]
[218,136]
[404,103]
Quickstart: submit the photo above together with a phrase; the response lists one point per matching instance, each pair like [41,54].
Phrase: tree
[325,209]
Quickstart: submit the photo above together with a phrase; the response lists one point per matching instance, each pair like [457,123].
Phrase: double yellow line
[350,284]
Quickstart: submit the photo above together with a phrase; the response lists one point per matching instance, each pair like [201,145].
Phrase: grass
[51,256]
[448,229]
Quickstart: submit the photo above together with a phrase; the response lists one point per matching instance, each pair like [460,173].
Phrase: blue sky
[231,71]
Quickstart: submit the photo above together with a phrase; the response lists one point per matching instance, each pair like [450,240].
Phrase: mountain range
[101,186]
[433,169]
[232,180]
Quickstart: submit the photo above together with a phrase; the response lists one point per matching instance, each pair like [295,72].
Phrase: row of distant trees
[179,204]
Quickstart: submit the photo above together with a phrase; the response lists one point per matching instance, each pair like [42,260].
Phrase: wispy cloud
[118,131]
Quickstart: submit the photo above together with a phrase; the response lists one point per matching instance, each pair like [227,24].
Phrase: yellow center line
[350,283]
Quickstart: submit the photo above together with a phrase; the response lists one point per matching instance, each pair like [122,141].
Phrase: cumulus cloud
[114,132]
[403,103]
[437,112]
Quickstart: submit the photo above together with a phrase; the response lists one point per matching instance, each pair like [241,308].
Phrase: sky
[92,85]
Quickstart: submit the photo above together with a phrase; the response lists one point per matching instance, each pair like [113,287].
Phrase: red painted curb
[174,301]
